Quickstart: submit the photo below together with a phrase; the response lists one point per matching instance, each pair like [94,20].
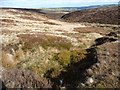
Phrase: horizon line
[63,6]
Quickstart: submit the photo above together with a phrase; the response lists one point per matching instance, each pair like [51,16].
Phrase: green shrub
[64,58]
[77,55]
[67,57]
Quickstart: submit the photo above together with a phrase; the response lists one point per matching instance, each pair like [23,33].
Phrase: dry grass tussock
[12,57]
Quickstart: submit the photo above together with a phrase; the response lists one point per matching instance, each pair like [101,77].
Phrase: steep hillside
[104,15]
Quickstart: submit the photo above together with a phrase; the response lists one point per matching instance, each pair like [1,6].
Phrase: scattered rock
[97,65]
[89,81]
[89,72]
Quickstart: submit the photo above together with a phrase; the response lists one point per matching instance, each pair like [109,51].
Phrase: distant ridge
[90,7]
[82,8]
[103,15]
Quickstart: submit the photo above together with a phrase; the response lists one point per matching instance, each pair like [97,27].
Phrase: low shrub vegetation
[45,41]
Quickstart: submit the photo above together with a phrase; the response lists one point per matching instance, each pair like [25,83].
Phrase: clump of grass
[38,60]
[77,55]
[11,54]
[67,57]
[63,57]
[41,60]
[7,60]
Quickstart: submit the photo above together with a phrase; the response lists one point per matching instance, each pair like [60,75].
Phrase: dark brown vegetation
[51,23]
[30,17]
[8,20]
[99,30]
[106,15]
[32,40]
[106,71]
[23,10]
[16,78]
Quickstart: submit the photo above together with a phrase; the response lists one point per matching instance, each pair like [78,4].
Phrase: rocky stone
[89,81]
[89,72]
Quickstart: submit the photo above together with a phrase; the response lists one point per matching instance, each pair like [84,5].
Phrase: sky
[53,3]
